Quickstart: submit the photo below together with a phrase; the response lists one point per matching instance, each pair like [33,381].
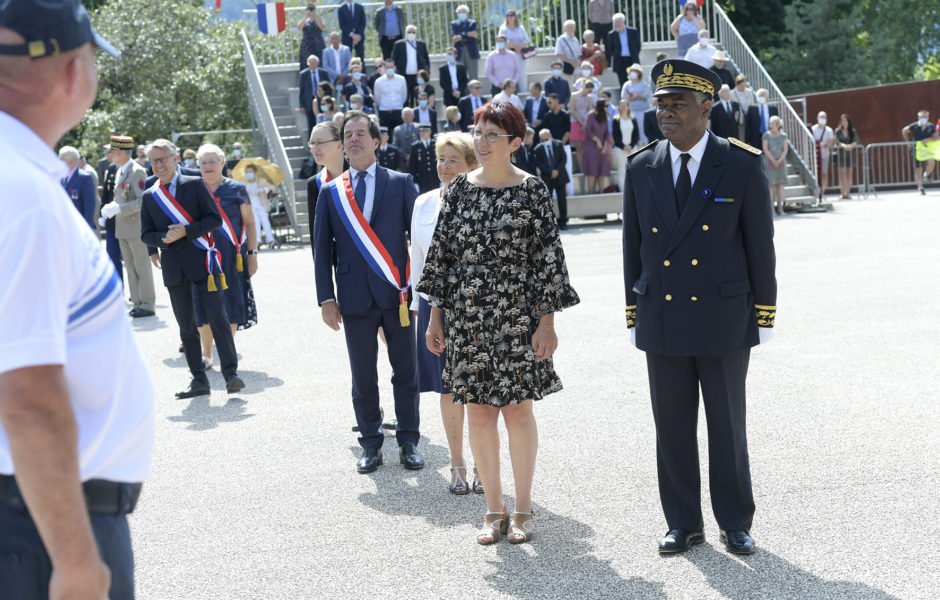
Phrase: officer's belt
[102,497]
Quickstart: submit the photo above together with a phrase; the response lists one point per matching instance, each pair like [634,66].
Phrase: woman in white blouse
[455,155]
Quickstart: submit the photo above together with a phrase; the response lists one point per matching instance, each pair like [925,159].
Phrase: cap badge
[667,69]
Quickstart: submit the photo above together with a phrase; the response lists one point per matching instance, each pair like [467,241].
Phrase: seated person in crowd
[702,52]
[508,94]
[357,84]
[558,85]
[424,85]
[357,102]
[451,119]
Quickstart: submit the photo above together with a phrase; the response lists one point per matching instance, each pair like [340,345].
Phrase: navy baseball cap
[50,27]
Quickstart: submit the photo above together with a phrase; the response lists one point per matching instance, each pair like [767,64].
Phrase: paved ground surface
[257,496]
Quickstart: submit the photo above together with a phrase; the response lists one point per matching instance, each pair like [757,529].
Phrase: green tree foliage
[903,39]
[759,22]
[179,70]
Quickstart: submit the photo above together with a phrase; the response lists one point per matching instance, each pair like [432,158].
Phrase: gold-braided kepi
[122,142]
[677,76]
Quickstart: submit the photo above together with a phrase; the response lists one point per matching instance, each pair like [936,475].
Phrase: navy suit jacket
[400,56]
[752,134]
[352,22]
[557,162]
[723,124]
[307,91]
[612,48]
[358,288]
[465,105]
[539,113]
[443,76]
[81,189]
[182,259]
[651,125]
[696,281]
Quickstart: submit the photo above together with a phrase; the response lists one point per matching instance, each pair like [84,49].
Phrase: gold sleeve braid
[765,315]
[631,316]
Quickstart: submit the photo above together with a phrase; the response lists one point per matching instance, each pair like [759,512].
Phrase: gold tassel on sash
[222,277]
[403,315]
[239,263]
[211,285]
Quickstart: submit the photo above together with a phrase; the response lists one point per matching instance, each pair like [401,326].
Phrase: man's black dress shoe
[234,384]
[680,540]
[408,454]
[737,541]
[370,461]
[141,312]
[196,388]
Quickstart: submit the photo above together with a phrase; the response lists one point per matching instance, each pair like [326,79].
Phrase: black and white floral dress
[496,265]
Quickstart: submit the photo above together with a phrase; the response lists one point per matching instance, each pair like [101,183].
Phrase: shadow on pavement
[148,324]
[765,575]
[531,570]
[202,416]
[257,382]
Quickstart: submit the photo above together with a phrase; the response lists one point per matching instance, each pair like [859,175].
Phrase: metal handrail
[801,139]
[543,23]
[264,119]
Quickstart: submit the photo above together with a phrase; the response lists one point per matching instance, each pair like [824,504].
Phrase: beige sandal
[522,528]
[496,524]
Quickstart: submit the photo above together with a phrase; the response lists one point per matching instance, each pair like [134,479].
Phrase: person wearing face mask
[517,40]
[424,113]
[685,28]
[757,118]
[825,139]
[189,158]
[556,84]
[501,65]
[453,78]
[586,73]
[921,130]
[464,35]
[357,102]
[357,86]
[389,23]
[327,108]
[410,56]
[237,151]
[424,85]
[258,190]
[637,92]
[702,52]
[336,58]
[391,92]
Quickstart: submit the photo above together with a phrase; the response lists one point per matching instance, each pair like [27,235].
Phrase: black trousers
[411,81]
[181,298]
[362,344]
[620,67]
[561,193]
[601,31]
[391,119]
[113,248]
[25,568]
[311,121]
[674,386]
[386,43]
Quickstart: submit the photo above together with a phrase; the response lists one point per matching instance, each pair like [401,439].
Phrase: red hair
[503,115]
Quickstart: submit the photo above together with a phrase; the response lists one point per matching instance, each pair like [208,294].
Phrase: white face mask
[634,76]
[586,72]
[761,100]
[703,42]
[354,105]
[500,45]
[821,121]
[922,121]
[411,36]
[249,176]
[357,75]
[236,152]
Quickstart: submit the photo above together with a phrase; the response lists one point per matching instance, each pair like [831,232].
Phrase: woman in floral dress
[496,266]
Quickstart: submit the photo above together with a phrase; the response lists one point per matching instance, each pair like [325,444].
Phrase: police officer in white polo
[76,401]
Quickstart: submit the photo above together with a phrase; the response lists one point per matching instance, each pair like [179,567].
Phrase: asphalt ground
[256,495]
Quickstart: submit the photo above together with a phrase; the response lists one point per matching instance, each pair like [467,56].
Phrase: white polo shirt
[61,303]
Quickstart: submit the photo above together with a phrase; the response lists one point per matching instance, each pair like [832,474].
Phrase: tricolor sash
[323,178]
[179,216]
[229,231]
[369,245]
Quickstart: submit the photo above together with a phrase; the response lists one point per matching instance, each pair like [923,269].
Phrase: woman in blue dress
[237,242]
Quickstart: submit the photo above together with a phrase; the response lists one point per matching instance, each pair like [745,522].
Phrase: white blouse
[423,223]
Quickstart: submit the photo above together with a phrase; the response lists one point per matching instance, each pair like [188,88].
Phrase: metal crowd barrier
[858,175]
[891,165]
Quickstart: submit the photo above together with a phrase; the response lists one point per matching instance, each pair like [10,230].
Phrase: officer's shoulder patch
[642,148]
[743,146]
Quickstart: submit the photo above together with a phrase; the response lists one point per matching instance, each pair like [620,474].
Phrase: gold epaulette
[765,315]
[631,316]
[641,149]
[743,146]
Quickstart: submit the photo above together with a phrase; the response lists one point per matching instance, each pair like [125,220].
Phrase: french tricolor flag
[271,17]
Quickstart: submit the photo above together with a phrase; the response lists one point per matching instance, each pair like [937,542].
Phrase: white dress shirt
[695,161]
[454,84]
[423,224]
[391,92]
[369,201]
[411,62]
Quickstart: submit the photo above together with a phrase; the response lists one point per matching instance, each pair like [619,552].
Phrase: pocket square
[717,199]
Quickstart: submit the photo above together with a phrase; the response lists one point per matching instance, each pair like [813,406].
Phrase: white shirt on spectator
[569,47]
[514,100]
[411,62]
[61,303]
[423,223]
[391,92]
[701,56]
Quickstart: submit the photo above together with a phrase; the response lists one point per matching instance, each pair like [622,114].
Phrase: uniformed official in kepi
[423,163]
[698,266]
[388,156]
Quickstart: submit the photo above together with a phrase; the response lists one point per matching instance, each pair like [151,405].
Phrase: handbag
[528,52]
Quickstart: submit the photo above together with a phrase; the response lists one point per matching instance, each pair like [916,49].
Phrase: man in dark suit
[388,155]
[423,162]
[550,159]
[184,265]
[389,23]
[525,155]
[363,300]
[536,105]
[757,119]
[405,134]
[80,186]
[724,115]
[410,56]
[352,24]
[651,125]
[698,266]
[622,47]
[470,103]
[453,78]
[424,113]
[307,81]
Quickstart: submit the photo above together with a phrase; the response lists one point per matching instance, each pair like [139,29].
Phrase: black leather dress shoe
[370,461]
[409,456]
[737,541]
[196,388]
[142,312]
[680,540]
[234,384]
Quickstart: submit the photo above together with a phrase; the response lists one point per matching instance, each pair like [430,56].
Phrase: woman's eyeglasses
[491,137]
[324,142]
